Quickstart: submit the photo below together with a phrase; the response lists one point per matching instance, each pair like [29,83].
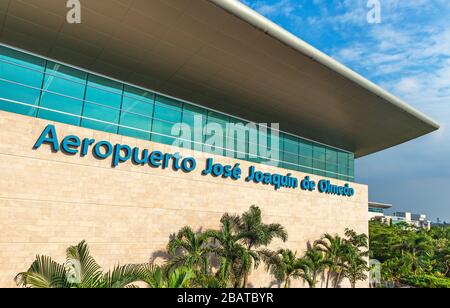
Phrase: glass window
[230,147]
[63,104]
[218,128]
[342,177]
[319,173]
[306,149]
[263,152]
[167,112]
[305,161]
[238,138]
[137,112]
[290,151]
[221,120]
[306,170]
[306,154]
[319,153]
[241,147]
[274,140]
[290,144]
[319,157]
[20,94]
[351,169]
[342,170]
[164,132]
[138,94]
[142,125]
[319,164]
[21,75]
[64,86]
[238,129]
[252,142]
[343,159]
[132,105]
[108,118]
[329,174]
[101,94]
[167,109]
[332,167]
[195,118]
[65,72]
[268,143]
[105,84]
[65,93]
[331,156]
[290,161]
[104,92]
[22,59]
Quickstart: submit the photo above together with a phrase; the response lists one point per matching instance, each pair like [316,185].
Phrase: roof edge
[262,23]
[380,205]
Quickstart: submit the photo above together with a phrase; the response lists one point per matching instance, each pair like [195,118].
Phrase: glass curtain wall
[37,87]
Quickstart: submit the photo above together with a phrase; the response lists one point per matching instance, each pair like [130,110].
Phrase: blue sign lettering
[121,153]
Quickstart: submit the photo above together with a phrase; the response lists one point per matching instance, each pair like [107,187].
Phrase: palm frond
[123,276]
[85,270]
[43,273]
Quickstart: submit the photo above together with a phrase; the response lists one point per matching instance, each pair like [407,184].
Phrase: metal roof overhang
[380,205]
[223,55]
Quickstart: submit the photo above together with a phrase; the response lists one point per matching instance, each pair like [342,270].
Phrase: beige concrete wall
[49,201]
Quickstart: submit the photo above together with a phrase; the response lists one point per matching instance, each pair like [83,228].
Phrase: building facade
[415,220]
[146,118]
[377,211]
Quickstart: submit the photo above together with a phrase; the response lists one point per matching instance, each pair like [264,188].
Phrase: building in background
[377,213]
[416,220]
[125,78]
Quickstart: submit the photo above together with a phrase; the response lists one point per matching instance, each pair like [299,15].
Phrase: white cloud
[431,87]
[282,7]
[390,53]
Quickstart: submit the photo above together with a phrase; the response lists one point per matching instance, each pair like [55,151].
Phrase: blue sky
[408,54]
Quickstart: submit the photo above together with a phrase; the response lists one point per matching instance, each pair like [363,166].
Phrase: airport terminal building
[109,129]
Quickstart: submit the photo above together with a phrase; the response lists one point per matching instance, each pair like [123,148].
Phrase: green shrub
[427,281]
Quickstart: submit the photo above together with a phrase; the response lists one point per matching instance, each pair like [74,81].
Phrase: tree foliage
[409,255]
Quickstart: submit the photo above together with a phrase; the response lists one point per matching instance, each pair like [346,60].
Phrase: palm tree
[416,248]
[181,277]
[416,243]
[232,253]
[355,266]
[258,233]
[359,241]
[334,248]
[314,264]
[80,271]
[285,266]
[194,250]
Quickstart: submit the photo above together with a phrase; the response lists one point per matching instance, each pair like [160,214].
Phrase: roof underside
[223,55]
[380,205]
